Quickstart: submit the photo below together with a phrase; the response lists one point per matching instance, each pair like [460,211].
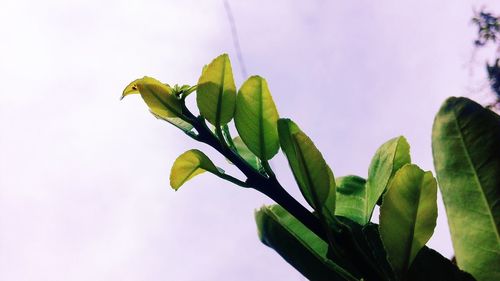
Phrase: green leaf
[216,92]
[189,164]
[466,150]
[408,215]
[255,118]
[177,122]
[158,96]
[329,206]
[300,247]
[351,199]
[357,197]
[246,154]
[389,158]
[308,166]
[371,235]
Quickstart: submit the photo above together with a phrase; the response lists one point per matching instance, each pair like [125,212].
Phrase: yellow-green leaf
[408,216]
[189,164]
[255,118]
[309,168]
[216,92]
[158,96]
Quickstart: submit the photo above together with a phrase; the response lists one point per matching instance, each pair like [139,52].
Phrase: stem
[276,192]
[272,188]
[233,180]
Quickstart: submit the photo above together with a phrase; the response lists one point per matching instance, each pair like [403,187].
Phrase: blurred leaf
[255,118]
[158,96]
[351,199]
[297,245]
[216,92]
[189,164]
[466,150]
[408,215]
[308,166]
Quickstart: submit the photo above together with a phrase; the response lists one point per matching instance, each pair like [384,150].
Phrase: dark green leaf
[297,245]
[429,265]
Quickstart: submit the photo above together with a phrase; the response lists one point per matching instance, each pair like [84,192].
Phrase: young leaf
[308,166]
[158,96]
[466,150]
[357,197]
[255,118]
[216,92]
[351,199]
[298,245]
[189,164]
[391,156]
[408,215]
[246,154]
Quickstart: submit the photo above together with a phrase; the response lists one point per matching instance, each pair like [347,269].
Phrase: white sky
[84,191]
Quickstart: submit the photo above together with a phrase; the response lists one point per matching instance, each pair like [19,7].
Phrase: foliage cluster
[337,241]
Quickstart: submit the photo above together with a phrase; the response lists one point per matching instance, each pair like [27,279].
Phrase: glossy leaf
[216,92]
[351,198]
[189,164]
[308,166]
[466,150]
[389,158]
[408,215]
[246,154]
[297,245]
[158,96]
[255,118]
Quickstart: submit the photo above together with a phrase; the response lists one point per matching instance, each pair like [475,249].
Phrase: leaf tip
[130,89]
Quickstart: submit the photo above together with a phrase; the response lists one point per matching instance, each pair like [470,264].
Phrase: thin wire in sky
[236,41]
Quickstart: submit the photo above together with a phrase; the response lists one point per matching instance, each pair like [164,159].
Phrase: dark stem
[277,193]
[272,188]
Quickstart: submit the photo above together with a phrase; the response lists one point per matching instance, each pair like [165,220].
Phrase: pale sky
[84,191]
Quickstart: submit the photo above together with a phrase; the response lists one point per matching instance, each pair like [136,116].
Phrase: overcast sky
[84,191]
